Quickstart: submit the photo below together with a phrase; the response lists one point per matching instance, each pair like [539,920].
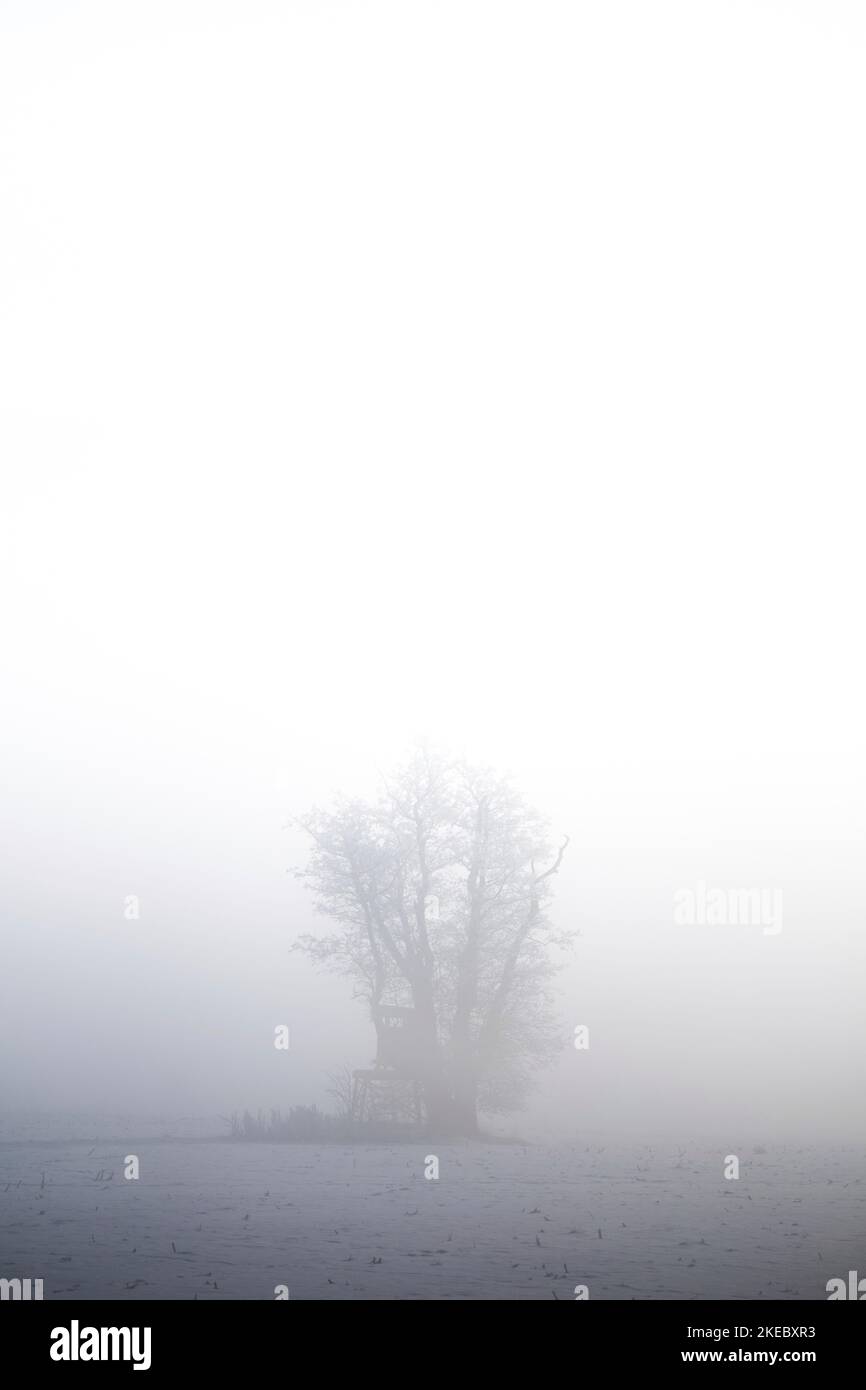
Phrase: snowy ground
[234,1220]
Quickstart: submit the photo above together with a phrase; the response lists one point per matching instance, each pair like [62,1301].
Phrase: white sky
[488,371]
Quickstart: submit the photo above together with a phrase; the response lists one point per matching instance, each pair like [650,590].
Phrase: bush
[300,1123]
[304,1124]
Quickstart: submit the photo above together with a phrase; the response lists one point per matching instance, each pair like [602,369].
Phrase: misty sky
[486,372]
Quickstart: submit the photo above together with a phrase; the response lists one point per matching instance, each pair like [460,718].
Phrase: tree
[437,896]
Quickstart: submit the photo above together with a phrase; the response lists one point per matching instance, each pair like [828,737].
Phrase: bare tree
[437,895]
[340,1090]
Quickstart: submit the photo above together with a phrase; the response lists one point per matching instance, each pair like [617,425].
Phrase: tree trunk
[434,1083]
[465,1101]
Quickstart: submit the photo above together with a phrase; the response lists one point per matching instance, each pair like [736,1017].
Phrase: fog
[479,373]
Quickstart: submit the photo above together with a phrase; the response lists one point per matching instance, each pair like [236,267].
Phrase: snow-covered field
[224,1219]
